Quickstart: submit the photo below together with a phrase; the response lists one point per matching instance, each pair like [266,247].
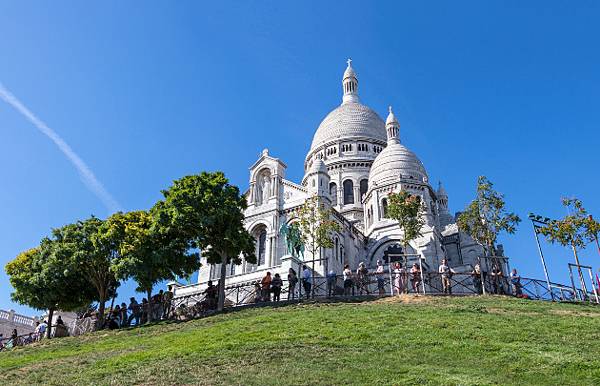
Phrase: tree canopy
[486,216]
[408,210]
[207,212]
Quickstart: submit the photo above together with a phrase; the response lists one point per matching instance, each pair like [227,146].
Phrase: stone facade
[9,320]
[355,161]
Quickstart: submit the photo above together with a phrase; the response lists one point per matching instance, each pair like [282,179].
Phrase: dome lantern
[350,85]
[392,127]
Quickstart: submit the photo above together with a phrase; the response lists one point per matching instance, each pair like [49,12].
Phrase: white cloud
[87,176]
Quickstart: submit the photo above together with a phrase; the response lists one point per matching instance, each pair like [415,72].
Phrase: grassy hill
[400,341]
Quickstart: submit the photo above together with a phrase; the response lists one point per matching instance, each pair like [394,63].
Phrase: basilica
[355,161]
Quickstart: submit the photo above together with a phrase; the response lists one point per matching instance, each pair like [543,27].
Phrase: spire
[441,191]
[392,127]
[350,84]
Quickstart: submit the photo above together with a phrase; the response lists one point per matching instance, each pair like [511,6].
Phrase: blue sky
[146,92]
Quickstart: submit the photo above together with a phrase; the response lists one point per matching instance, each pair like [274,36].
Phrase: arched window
[348,192]
[333,193]
[364,186]
[262,243]
[384,205]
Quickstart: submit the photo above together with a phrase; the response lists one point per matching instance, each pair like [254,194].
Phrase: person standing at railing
[348,282]
[379,275]
[362,278]
[292,281]
[331,282]
[167,299]
[306,280]
[399,283]
[265,285]
[497,280]
[415,277]
[276,285]
[477,279]
[515,282]
[446,273]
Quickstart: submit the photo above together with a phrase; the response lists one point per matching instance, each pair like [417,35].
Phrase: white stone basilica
[355,161]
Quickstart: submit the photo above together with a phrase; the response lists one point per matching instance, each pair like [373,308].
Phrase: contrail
[86,174]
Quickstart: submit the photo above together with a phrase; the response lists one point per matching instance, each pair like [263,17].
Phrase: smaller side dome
[318,166]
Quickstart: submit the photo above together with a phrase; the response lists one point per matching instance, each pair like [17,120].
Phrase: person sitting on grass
[276,285]
[211,293]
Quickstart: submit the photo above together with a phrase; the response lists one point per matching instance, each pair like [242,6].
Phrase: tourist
[292,281]
[331,282]
[379,275]
[399,278]
[515,282]
[446,273]
[115,315]
[348,283]
[257,290]
[144,310]
[497,279]
[134,307]
[157,305]
[362,278]
[28,339]
[123,316]
[167,300]
[276,285]
[211,293]
[265,286]
[415,277]
[14,338]
[477,279]
[59,321]
[40,330]
[306,280]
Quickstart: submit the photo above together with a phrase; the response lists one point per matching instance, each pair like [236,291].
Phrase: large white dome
[351,120]
[396,162]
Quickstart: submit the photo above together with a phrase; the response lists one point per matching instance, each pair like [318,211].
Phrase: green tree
[316,225]
[207,212]
[44,278]
[575,230]
[486,217]
[408,210]
[148,253]
[95,253]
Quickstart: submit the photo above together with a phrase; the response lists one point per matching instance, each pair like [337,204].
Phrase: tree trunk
[583,286]
[101,308]
[149,310]
[49,329]
[221,303]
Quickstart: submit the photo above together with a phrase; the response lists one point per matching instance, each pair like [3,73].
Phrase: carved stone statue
[265,187]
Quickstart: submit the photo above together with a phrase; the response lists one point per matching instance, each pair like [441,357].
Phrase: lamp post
[535,223]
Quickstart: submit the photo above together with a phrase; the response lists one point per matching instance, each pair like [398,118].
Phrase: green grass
[424,341]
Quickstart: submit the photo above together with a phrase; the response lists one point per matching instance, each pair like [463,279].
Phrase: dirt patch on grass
[406,299]
[504,311]
[575,313]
